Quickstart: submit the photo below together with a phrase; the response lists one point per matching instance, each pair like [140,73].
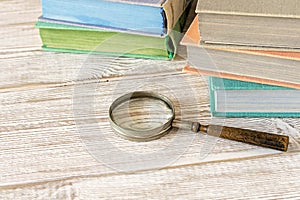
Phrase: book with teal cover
[233,98]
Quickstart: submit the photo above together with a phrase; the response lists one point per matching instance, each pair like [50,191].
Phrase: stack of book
[251,50]
[137,28]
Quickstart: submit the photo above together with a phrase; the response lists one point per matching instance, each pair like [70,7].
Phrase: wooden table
[50,148]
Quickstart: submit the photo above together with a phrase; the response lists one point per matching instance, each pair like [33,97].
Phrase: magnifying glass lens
[142,114]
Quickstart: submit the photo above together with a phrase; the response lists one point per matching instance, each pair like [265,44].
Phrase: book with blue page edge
[158,17]
[233,98]
[66,36]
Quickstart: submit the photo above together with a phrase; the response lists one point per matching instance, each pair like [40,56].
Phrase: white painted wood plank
[43,155]
[273,177]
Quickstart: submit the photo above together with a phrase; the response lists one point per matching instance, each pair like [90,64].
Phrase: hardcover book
[232,98]
[156,17]
[272,67]
[257,23]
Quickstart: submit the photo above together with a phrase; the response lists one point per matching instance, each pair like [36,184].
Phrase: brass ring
[141,136]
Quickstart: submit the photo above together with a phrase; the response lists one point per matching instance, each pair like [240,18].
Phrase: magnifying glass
[144,116]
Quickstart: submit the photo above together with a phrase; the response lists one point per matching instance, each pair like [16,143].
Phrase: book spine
[174,10]
[174,37]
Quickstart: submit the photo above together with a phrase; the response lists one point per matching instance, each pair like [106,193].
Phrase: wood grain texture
[274,141]
[43,154]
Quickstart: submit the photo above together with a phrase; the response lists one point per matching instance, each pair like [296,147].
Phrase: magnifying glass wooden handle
[274,141]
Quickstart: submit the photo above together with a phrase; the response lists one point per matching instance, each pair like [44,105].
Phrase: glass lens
[142,114]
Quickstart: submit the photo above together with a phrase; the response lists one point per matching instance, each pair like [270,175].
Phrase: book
[256,23]
[232,98]
[272,67]
[156,17]
[72,37]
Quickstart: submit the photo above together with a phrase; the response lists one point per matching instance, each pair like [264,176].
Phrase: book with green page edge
[233,98]
[77,38]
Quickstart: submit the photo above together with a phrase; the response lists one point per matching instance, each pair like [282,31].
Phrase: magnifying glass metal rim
[140,135]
